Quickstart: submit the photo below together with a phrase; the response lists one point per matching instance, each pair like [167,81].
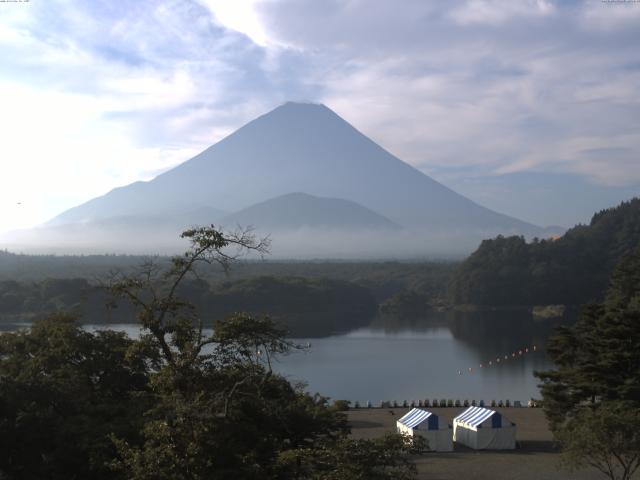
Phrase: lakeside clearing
[536,458]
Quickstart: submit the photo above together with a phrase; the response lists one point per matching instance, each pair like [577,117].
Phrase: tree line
[303,306]
[592,396]
[572,269]
[382,278]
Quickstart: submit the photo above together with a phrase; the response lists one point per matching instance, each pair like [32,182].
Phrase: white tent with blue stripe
[426,424]
[484,429]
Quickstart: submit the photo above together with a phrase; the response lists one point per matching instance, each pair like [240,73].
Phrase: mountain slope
[297,210]
[171,221]
[305,148]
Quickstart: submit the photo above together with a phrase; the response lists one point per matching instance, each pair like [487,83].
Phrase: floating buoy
[506,357]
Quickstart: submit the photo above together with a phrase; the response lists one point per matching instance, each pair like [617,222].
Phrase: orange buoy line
[503,358]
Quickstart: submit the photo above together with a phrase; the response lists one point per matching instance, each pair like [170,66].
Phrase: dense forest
[383,279]
[303,306]
[309,298]
[570,270]
[591,396]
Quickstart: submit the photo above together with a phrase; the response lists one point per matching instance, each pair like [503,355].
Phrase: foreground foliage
[177,403]
[592,399]
[345,459]
[63,391]
[605,438]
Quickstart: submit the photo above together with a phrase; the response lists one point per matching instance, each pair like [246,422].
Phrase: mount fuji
[307,171]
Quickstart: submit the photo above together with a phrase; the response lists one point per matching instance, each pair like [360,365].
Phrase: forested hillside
[311,298]
[303,306]
[308,307]
[572,269]
[383,279]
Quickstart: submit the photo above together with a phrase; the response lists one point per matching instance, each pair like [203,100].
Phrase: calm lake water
[393,360]
[372,365]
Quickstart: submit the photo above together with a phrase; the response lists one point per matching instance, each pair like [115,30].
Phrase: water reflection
[429,357]
[419,358]
[488,333]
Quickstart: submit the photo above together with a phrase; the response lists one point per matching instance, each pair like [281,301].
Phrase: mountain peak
[291,104]
[305,147]
[301,111]
[297,209]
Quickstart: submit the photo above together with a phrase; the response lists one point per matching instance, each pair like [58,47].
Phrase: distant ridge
[295,210]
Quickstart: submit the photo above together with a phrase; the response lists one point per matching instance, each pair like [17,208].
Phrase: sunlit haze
[517,105]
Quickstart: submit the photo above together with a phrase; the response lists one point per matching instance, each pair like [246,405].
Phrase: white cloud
[59,146]
[152,90]
[241,16]
[59,152]
[611,160]
[500,100]
[91,103]
[610,15]
[496,12]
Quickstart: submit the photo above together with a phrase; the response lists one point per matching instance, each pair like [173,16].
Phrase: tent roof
[415,417]
[474,416]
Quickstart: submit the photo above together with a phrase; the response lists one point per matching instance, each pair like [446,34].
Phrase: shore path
[535,459]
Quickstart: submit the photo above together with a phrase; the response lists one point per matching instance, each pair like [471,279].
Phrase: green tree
[219,408]
[606,438]
[596,384]
[598,358]
[63,391]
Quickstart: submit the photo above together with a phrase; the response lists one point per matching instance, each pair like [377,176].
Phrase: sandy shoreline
[536,457]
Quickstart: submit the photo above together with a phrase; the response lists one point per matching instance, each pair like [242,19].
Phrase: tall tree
[220,410]
[596,385]
[605,438]
[63,391]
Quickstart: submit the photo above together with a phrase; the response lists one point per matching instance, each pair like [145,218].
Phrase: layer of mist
[298,244]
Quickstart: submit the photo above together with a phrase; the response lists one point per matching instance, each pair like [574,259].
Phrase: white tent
[484,429]
[427,425]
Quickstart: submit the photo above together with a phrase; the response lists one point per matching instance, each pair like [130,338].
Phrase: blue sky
[530,107]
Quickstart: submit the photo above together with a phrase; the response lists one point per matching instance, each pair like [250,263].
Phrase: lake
[373,365]
[421,359]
